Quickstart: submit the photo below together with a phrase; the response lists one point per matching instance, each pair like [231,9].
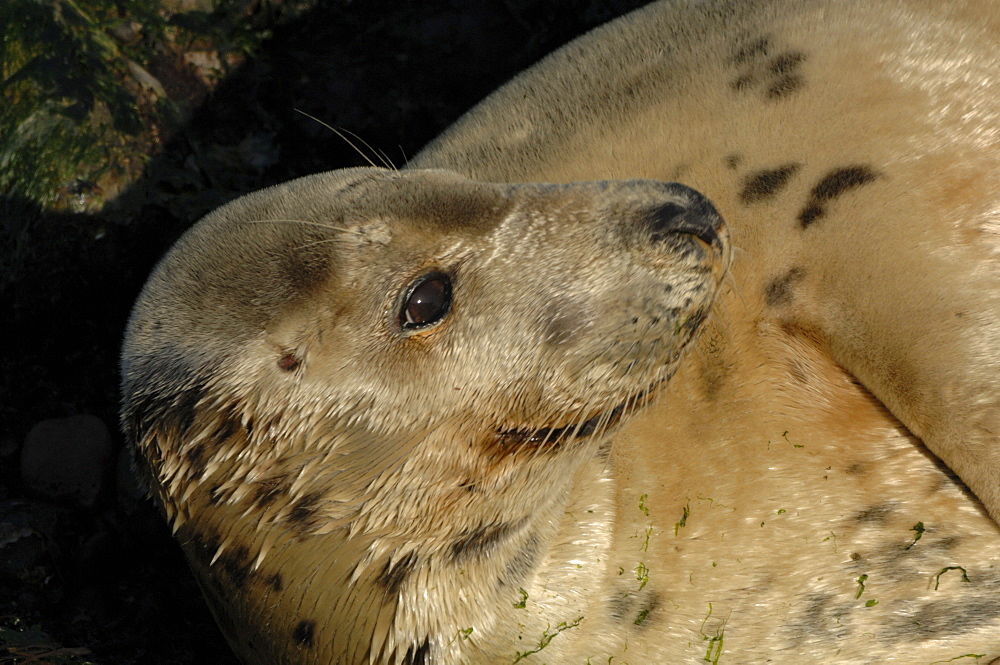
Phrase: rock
[67,458]
[27,541]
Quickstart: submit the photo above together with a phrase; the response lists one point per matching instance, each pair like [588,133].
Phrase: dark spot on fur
[276,582]
[875,514]
[620,605]
[713,363]
[948,480]
[780,290]
[418,655]
[303,634]
[784,86]
[184,409]
[634,608]
[945,617]
[154,412]
[766,184]
[196,456]
[304,510]
[838,181]
[855,469]
[855,556]
[394,574]
[713,378]
[816,618]
[733,161]
[832,185]
[678,174]
[522,563]
[751,51]
[810,214]
[236,563]
[818,602]
[779,77]
[227,427]
[148,412]
[947,543]
[787,62]
[742,82]
[269,489]
[479,541]
[642,617]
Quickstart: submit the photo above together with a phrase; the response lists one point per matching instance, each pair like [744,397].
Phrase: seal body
[415,417]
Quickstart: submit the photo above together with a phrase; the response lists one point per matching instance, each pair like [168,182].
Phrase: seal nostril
[671,219]
[660,222]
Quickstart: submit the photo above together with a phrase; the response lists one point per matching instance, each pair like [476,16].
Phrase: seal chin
[553,438]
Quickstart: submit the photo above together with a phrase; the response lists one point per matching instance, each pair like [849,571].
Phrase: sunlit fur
[773,502]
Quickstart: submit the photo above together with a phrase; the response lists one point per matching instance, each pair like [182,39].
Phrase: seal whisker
[385,161]
[730,280]
[323,241]
[322,225]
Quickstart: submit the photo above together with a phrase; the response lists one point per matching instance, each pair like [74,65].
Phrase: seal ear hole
[426,301]
[288,362]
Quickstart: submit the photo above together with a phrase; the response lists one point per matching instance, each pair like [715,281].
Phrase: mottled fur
[349,492]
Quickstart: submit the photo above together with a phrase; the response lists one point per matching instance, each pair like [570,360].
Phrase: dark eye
[427,301]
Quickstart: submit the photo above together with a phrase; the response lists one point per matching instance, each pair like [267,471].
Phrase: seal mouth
[552,438]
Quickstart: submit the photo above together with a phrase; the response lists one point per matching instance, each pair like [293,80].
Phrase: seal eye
[427,301]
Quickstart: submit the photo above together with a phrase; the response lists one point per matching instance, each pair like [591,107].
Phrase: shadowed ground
[164,116]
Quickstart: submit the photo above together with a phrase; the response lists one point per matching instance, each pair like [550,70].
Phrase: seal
[464,350]
[436,416]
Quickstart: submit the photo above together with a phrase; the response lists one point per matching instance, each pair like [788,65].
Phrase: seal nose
[699,219]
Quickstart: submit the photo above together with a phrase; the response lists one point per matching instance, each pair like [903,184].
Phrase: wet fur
[774,502]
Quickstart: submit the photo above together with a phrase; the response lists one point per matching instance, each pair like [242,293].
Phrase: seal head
[365,398]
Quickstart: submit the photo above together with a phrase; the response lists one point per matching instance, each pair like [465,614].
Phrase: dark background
[104,583]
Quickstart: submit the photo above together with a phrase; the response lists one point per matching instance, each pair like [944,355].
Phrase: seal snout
[696,218]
